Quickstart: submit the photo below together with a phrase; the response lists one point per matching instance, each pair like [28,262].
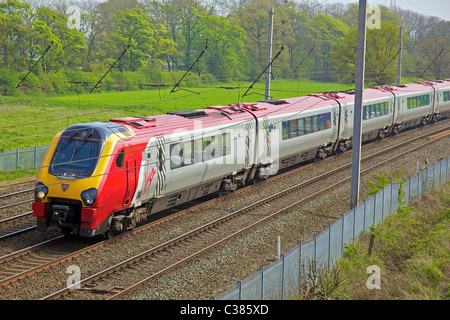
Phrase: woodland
[158,40]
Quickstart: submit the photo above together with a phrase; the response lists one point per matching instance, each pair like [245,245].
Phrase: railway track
[17,224]
[126,276]
[45,255]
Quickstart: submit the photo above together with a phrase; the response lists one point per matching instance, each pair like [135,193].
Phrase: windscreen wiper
[76,149]
[62,143]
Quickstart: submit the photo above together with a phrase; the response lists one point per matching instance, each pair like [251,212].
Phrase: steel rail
[14,219]
[37,269]
[209,226]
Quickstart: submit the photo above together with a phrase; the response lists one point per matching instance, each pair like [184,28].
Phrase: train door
[131,173]
[148,174]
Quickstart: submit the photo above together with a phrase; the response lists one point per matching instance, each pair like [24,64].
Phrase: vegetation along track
[418,142]
[125,276]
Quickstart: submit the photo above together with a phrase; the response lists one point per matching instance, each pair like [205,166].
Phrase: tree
[296,32]
[381,50]
[15,30]
[436,45]
[148,42]
[225,45]
[253,18]
[69,47]
[327,32]
[182,25]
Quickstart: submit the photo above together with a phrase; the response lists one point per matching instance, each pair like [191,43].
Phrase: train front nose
[68,216]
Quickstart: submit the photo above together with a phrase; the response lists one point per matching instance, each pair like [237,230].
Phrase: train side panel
[443,100]
[305,134]
[415,108]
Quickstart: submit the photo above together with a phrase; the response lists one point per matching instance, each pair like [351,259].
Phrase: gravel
[218,270]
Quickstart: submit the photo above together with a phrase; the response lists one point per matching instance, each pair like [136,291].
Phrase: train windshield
[75,157]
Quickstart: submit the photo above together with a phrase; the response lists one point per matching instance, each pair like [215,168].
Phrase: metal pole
[357,115]
[399,69]
[269,54]
[278,247]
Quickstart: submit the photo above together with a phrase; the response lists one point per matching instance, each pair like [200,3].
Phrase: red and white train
[104,177]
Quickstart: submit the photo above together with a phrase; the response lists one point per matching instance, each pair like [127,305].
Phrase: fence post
[342,237]
[35,157]
[282,276]
[354,223]
[239,288]
[315,247]
[374,207]
[364,216]
[299,243]
[390,202]
[261,289]
[418,184]
[329,246]
[17,158]
[409,190]
[446,172]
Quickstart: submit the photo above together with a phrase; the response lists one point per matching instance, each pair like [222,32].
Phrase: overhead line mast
[113,65]
[357,114]
[40,58]
[269,54]
[188,70]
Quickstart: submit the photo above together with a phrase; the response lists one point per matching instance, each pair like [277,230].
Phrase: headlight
[89,196]
[40,191]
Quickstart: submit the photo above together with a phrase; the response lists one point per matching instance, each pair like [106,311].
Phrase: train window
[226,144]
[315,123]
[446,96]
[120,159]
[176,155]
[386,108]
[308,128]
[211,147]
[293,128]
[328,120]
[301,127]
[419,101]
[285,130]
[378,110]
[181,154]
[322,122]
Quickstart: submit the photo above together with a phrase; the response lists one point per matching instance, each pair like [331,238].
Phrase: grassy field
[412,250]
[33,121]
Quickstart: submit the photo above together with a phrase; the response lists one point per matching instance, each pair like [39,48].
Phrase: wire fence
[22,159]
[284,278]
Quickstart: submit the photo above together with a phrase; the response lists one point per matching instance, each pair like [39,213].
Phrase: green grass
[411,248]
[7,177]
[34,120]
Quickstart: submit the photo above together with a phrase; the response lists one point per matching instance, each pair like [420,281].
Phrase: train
[106,177]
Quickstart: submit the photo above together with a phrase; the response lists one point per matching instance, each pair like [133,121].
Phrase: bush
[412,249]
[8,82]
[32,83]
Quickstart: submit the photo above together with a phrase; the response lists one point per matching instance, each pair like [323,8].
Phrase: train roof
[213,116]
